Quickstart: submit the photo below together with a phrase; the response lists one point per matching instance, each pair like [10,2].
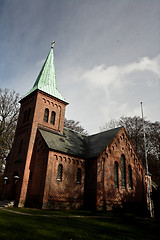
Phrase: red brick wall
[38,167]
[17,159]
[53,104]
[66,193]
[43,101]
[107,193]
[20,162]
[44,190]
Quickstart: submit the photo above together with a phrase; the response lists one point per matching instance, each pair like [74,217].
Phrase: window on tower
[53,117]
[46,115]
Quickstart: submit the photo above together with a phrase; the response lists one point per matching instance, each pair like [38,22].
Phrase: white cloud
[117,109]
[118,76]
[144,64]
[116,90]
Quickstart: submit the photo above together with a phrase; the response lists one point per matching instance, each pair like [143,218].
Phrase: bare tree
[9,110]
[74,125]
[134,128]
[110,125]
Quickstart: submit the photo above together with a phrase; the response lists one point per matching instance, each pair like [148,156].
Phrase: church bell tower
[43,106]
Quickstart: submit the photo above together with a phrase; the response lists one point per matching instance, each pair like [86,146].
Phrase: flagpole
[145,150]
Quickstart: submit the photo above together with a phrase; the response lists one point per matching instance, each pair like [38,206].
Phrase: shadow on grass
[115,226]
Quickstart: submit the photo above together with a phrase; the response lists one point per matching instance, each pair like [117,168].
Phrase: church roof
[74,143]
[46,80]
[98,142]
[70,142]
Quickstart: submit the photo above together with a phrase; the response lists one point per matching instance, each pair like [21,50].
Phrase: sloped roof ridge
[74,131]
[75,143]
[92,135]
[68,142]
[109,130]
[98,142]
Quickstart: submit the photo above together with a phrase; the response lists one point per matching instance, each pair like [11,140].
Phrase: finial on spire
[52,44]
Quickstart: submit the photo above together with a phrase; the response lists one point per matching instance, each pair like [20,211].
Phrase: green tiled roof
[46,80]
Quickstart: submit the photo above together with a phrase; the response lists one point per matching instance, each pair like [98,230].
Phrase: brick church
[50,166]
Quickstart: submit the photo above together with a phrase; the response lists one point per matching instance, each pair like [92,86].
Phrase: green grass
[59,225]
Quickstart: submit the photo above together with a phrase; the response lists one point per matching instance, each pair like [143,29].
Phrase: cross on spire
[52,44]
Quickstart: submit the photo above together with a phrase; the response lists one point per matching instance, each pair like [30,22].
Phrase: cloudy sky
[107,54]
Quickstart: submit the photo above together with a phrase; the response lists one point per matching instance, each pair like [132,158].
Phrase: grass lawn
[66,225]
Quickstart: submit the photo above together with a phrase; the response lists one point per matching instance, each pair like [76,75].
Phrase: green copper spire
[46,80]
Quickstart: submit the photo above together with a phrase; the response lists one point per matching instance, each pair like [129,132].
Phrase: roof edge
[41,91]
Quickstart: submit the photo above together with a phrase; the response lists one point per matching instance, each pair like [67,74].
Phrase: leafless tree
[9,110]
[110,125]
[74,125]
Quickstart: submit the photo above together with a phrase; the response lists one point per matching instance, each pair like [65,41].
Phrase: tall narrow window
[46,114]
[59,173]
[116,174]
[130,177]
[79,175]
[123,171]
[53,116]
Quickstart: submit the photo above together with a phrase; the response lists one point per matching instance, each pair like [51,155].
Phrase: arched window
[116,174]
[130,177]
[20,146]
[59,173]
[46,114]
[79,175]
[53,116]
[123,171]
